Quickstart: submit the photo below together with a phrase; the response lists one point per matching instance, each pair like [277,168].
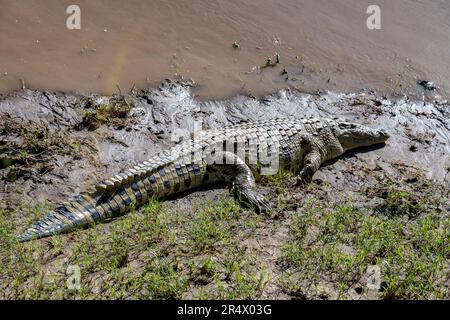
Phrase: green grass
[154,253]
[413,255]
[211,249]
[210,227]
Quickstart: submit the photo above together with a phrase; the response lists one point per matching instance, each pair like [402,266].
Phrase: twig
[120,91]
[132,88]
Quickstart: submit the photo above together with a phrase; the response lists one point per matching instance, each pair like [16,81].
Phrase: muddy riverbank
[117,132]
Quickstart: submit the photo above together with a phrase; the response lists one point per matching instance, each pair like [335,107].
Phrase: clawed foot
[251,197]
[262,205]
[303,178]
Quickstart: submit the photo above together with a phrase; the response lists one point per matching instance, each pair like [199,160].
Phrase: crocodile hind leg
[234,170]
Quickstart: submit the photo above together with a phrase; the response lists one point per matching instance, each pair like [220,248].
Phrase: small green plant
[165,281]
[114,112]
[205,272]
[400,203]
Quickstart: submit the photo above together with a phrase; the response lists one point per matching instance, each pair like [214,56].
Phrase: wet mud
[81,150]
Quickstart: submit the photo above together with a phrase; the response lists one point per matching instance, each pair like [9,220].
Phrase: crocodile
[230,155]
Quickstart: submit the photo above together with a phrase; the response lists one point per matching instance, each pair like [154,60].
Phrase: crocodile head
[352,135]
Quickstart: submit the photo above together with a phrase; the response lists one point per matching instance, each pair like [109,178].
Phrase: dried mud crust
[387,207]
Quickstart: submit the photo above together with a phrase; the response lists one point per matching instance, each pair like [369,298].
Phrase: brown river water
[322,45]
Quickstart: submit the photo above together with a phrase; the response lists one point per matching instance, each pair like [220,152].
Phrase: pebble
[428,85]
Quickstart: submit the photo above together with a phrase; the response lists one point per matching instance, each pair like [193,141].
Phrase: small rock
[359,289]
[137,112]
[318,181]
[411,180]
[428,85]
[413,148]
[156,131]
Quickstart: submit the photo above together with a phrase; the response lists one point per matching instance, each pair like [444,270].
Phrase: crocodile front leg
[235,171]
[318,151]
[311,164]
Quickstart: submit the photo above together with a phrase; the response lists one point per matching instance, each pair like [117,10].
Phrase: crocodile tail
[47,226]
[78,213]
[87,209]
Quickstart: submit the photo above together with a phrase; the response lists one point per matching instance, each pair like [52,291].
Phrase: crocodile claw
[263,205]
[256,200]
[304,178]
